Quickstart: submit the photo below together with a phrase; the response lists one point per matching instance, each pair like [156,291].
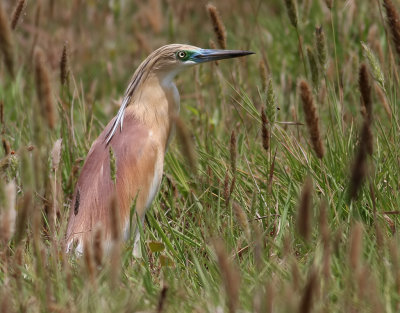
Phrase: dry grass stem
[161,299]
[306,302]
[304,210]
[312,119]
[17,13]
[230,276]
[219,28]
[356,242]
[115,219]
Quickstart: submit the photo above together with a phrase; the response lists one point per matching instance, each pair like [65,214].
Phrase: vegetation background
[282,192]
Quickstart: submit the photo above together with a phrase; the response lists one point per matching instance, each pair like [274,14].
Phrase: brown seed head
[365,89]
[98,245]
[115,219]
[219,28]
[311,116]
[64,66]
[230,276]
[233,151]
[43,89]
[17,13]
[356,242]
[393,21]
[304,210]
[308,294]
[264,130]
[321,47]
[241,218]
[6,44]
[329,4]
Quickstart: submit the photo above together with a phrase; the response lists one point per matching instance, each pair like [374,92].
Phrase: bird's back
[139,162]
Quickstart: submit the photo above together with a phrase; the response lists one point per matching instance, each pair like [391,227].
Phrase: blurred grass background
[249,228]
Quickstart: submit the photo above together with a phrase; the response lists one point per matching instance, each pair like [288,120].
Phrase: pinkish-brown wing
[135,155]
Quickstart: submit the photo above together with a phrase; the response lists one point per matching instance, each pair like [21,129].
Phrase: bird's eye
[181,55]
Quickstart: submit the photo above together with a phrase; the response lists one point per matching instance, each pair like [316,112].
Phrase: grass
[201,251]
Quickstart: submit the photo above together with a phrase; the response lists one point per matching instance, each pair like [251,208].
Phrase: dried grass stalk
[44,90]
[115,219]
[161,299]
[88,258]
[383,100]
[17,13]
[263,74]
[304,210]
[356,242]
[393,21]
[230,276]
[219,28]
[359,168]
[98,245]
[22,217]
[6,43]
[308,294]
[312,119]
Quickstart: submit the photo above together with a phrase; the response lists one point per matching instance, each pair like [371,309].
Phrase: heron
[138,136]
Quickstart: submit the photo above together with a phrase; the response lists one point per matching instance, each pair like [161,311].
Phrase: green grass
[190,217]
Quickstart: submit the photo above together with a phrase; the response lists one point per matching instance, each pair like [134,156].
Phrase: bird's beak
[206,55]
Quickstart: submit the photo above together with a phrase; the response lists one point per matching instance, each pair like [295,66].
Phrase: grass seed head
[64,72]
[6,43]
[263,74]
[88,258]
[113,165]
[44,90]
[264,130]
[312,120]
[329,4]
[241,218]
[313,66]
[271,106]
[304,210]
[292,12]
[98,245]
[308,296]
[56,154]
[393,21]
[219,28]
[374,65]
[230,276]
[115,219]
[17,13]
[321,47]
[233,151]
[365,89]
[356,242]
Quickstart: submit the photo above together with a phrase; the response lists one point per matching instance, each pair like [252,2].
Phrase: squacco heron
[138,136]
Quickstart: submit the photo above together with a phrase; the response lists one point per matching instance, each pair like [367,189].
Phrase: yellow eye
[181,54]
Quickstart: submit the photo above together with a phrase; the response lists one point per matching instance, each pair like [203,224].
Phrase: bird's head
[171,59]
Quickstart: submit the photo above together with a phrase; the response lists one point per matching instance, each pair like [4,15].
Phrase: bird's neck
[155,104]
